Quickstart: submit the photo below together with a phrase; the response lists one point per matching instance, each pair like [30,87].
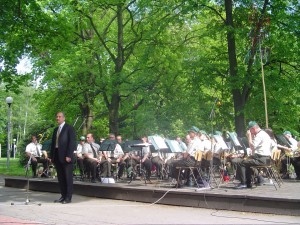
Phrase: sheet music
[158,142]
[234,139]
[283,141]
[174,146]
[221,142]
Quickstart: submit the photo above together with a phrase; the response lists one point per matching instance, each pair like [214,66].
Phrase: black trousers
[131,165]
[38,160]
[295,161]
[296,164]
[80,164]
[244,166]
[168,166]
[284,164]
[159,163]
[105,168]
[147,165]
[91,167]
[121,166]
[234,164]
[65,177]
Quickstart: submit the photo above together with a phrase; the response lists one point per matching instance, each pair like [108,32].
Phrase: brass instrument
[44,155]
[198,155]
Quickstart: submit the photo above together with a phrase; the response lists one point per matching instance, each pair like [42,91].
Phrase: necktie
[94,152]
[38,152]
[57,135]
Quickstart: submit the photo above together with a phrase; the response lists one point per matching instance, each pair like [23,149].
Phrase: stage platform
[261,199]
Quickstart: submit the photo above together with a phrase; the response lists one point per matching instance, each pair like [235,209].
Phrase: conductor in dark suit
[62,152]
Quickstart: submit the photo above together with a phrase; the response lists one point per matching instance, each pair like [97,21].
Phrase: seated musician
[146,158]
[157,160]
[131,159]
[116,157]
[188,157]
[142,158]
[171,157]
[34,153]
[217,150]
[91,158]
[207,147]
[291,155]
[260,145]
[296,162]
[78,155]
[235,156]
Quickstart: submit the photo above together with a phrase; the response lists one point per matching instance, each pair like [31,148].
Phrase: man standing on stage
[62,153]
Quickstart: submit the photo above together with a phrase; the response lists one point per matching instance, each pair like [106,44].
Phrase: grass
[15,168]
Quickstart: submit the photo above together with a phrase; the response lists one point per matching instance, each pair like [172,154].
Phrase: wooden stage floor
[261,199]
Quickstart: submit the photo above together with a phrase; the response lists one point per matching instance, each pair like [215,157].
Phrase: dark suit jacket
[66,144]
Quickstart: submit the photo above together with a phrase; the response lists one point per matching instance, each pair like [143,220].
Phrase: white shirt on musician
[294,144]
[262,143]
[79,150]
[118,151]
[34,149]
[87,149]
[195,145]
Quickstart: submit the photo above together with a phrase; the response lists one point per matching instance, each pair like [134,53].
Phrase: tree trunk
[114,113]
[238,100]
[119,63]
[88,118]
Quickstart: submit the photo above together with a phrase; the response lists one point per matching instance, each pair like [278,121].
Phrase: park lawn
[15,168]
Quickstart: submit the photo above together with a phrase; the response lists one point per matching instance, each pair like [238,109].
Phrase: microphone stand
[27,167]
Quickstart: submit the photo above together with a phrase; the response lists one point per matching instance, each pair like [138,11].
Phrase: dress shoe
[66,201]
[178,186]
[59,200]
[241,186]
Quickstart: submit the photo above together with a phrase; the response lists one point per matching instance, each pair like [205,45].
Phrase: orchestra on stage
[192,161]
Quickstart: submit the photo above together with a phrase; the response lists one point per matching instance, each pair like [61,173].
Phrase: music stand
[108,145]
[175,146]
[219,139]
[129,145]
[236,143]
[160,147]
[223,149]
[223,146]
[130,149]
[282,140]
[139,148]
[27,168]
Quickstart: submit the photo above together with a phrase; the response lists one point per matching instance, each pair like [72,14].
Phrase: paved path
[90,211]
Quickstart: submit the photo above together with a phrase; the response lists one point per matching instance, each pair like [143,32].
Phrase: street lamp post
[9,101]
[14,147]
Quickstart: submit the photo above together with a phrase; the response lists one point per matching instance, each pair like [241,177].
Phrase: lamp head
[9,101]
